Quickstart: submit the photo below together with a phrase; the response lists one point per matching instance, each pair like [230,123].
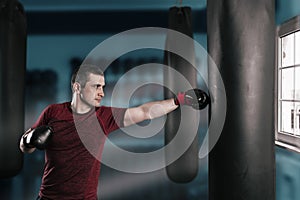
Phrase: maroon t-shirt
[72,158]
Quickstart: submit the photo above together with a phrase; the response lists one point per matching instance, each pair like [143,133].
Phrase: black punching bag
[241,41]
[185,168]
[12,75]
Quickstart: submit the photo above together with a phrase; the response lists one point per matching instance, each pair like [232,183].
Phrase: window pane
[297,83]
[287,83]
[287,116]
[287,55]
[297,48]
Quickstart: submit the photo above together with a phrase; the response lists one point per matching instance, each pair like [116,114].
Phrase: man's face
[93,92]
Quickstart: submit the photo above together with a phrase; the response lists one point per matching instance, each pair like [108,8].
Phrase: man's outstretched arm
[149,110]
[195,98]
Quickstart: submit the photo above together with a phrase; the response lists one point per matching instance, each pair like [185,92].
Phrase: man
[71,170]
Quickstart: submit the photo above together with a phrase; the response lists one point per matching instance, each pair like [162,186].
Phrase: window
[288,85]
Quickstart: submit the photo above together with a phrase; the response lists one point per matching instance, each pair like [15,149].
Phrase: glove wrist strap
[179,100]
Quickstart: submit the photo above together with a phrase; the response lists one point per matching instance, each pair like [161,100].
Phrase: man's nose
[100,92]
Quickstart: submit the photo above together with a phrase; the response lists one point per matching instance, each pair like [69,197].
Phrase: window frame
[285,140]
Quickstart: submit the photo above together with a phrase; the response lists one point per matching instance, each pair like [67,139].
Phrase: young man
[71,171]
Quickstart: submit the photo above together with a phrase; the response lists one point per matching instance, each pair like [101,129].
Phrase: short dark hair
[82,72]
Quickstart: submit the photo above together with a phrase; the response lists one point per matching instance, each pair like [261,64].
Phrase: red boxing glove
[195,98]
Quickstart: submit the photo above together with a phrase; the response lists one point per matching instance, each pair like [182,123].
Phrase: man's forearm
[159,108]
[149,110]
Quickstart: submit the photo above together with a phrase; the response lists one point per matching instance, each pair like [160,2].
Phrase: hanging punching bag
[185,168]
[12,75]
[241,41]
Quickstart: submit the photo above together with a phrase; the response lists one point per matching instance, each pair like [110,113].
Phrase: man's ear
[76,87]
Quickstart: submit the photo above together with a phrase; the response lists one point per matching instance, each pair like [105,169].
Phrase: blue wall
[287,9]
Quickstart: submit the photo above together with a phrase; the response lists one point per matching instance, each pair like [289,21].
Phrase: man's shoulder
[106,108]
[58,106]
[109,109]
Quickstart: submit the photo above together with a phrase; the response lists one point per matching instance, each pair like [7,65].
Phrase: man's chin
[98,104]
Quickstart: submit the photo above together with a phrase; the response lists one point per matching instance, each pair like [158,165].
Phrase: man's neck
[79,107]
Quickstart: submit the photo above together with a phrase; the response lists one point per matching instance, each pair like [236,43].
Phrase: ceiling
[99,16]
[75,5]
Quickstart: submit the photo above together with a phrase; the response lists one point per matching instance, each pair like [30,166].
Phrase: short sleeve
[111,118]
[43,119]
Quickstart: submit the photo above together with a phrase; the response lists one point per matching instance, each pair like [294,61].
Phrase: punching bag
[12,78]
[185,168]
[241,41]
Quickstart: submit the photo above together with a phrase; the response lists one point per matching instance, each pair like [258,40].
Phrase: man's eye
[97,86]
